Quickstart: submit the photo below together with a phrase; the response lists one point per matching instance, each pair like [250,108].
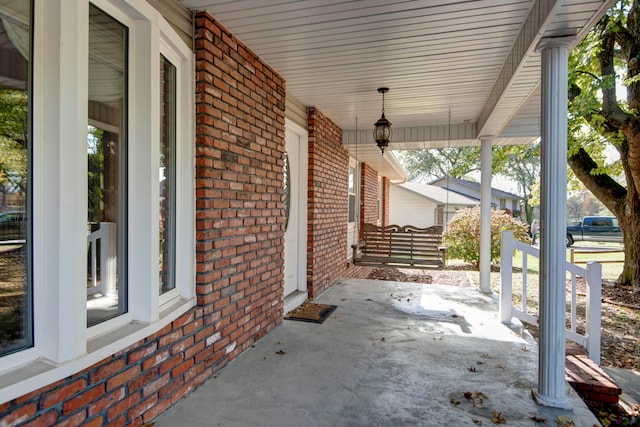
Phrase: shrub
[462,236]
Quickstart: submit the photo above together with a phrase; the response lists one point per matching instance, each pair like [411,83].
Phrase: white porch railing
[592,275]
[105,239]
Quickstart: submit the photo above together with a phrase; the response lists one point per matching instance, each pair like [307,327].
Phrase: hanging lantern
[382,129]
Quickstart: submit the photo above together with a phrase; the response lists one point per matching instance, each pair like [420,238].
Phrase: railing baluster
[573,302]
[592,274]
[524,281]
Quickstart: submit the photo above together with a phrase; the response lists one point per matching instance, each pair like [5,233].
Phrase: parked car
[12,226]
[595,229]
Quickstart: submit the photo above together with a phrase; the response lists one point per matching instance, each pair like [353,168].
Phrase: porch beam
[540,16]
[553,191]
[485,214]
[436,136]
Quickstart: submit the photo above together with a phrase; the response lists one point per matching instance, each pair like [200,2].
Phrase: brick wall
[327,203]
[327,216]
[368,195]
[385,201]
[239,284]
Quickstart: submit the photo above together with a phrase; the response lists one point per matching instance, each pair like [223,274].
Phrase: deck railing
[592,274]
[102,255]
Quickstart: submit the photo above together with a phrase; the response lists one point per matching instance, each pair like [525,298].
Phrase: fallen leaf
[477,403]
[454,401]
[498,418]
[281,352]
[480,395]
[472,369]
[538,419]
[468,395]
[564,421]
[475,421]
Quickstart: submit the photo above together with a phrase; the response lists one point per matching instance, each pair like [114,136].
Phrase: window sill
[38,373]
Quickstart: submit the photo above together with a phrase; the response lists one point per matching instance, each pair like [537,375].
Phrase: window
[107,168]
[16,313]
[167,175]
[352,194]
[110,195]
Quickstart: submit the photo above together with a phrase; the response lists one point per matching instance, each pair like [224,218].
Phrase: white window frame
[63,345]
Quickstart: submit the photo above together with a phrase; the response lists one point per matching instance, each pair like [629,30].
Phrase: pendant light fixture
[382,129]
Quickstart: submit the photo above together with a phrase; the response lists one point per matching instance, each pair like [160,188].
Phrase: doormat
[310,312]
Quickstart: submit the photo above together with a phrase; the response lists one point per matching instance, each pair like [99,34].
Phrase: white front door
[295,236]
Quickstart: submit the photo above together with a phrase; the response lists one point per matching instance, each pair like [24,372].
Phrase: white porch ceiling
[468,63]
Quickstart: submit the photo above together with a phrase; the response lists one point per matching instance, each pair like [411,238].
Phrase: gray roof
[476,186]
[438,194]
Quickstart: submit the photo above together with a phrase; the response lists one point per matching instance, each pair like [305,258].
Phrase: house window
[113,191]
[167,175]
[16,313]
[107,168]
[352,194]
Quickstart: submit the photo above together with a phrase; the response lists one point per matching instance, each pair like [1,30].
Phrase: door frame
[300,295]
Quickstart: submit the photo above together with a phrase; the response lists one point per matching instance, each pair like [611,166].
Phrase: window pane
[107,166]
[15,173]
[167,174]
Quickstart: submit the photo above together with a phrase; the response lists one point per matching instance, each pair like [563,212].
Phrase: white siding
[408,208]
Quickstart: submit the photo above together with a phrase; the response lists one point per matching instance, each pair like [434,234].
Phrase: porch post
[485,214]
[553,193]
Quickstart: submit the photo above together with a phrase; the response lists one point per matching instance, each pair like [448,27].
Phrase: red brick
[123,377]
[170,363]
[106,401]
[82,399]
[122,406]
[142,379]
[19,415]
[107,370]
[155,360]
[156,410]
[96,422]
[141,408]
[63,392]
[74,420]
[142,353]
[182,368]
[118,422]
[46,419]
[153,386]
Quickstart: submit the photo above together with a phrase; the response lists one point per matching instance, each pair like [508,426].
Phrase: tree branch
[605,188]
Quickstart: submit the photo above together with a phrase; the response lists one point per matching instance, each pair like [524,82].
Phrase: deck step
[590,381]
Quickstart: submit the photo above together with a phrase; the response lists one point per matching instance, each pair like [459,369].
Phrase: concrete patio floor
[392,354]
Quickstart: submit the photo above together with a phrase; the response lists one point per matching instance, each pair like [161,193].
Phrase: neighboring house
[423,205]
[500,200]
[180,198]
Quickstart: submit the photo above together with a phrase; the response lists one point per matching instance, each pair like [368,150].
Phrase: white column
[553,193]
[485,214]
